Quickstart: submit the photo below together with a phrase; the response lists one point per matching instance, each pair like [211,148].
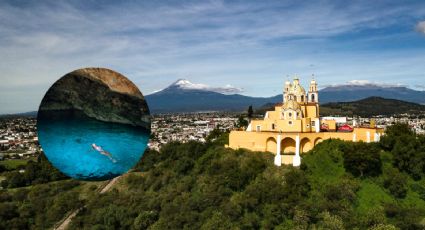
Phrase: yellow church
[295,127]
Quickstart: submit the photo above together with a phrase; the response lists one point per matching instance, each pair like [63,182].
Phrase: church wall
[338,135]
[304,111]
[271,145]
[261,123]
[272,115]
[311,111]
[361,133]
[267,141]
[287,145]
[255,141]
[265,125]
[306,144]
[306,125]
[285,125]
[287,159]
[260,141]
[330,123]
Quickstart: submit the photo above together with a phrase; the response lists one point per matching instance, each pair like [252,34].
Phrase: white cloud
[359,82]
[420,27]
[420,86]
[365,83]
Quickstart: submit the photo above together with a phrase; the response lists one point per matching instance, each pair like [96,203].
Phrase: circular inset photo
[93,124]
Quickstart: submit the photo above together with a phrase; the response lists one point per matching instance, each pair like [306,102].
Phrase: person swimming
[103,152]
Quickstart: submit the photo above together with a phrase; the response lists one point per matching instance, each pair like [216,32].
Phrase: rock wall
[101,94]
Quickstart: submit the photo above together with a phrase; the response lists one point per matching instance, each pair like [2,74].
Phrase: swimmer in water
[103,152]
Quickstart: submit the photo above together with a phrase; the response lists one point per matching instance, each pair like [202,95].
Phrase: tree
[241,123]
[2,168]
[296,186]
[217,221]
[332,222]
[339,198]
[393,134]
[145,219]
[396,183]
[250,112]
[215,133]
[362,159]
[407,148]
[409,155]
[383,227]
[15,179]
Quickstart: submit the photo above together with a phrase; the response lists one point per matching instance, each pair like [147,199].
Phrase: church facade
[295,127]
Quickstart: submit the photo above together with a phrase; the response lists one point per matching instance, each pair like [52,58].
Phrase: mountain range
[184,96]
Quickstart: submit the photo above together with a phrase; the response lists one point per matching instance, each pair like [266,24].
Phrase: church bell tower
[288,85]
[313,95]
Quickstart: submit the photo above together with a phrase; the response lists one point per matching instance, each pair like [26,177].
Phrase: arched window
[290,114]
[312,98]
[302,98]
[273,126]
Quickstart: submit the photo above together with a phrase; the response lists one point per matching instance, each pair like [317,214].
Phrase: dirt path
[110,184]
[67,221]
[64,223]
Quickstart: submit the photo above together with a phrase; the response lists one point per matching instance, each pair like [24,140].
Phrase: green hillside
[372,106]
[368,107]
[340,185]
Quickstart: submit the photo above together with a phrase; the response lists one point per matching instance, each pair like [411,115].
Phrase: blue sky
[253,45]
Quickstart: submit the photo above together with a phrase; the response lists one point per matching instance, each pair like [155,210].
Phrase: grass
[13,164]
[371,196]
[325,168]
[88,189]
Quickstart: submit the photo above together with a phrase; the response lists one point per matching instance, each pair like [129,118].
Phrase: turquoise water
[66,139]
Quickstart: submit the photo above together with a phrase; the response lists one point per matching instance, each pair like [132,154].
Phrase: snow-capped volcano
[185,84]
[185,96]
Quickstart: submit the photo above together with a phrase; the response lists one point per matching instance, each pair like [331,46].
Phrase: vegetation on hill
[34,172]
[372,106]
[339,185]
[39,206]
[368,107]
[205,186]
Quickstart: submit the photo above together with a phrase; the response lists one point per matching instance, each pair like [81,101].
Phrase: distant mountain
[371,106]
[356,92]
[26,114]
[184,96]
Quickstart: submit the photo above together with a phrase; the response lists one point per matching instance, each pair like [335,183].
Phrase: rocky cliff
[101,94]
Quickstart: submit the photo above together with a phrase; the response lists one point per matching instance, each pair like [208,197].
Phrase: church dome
[291,104]
[297,90]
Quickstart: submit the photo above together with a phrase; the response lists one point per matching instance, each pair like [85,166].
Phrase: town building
[295,127]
